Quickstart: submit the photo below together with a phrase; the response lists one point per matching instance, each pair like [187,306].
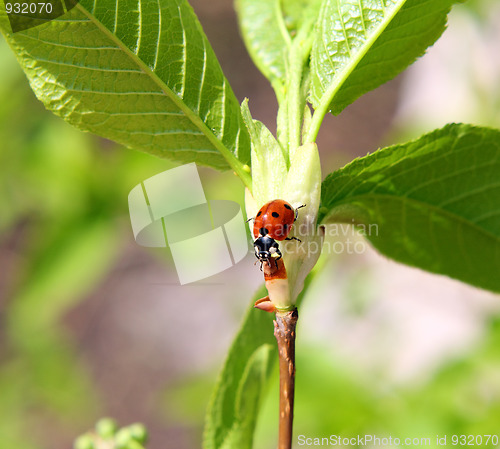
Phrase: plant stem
[284,331]
[295,109]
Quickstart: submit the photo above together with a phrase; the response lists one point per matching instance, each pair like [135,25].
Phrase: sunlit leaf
[252,349]
[361,44]
[232,413]
[140,73]
[433,203]
[265,36]
[299,12]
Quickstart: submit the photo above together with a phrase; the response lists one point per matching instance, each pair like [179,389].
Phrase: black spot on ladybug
[275,214]
[263,231]
[288,207]
[259,214]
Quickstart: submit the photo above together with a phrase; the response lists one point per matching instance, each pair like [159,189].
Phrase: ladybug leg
[293,238]
[278,252]
[297,211]
[253,218]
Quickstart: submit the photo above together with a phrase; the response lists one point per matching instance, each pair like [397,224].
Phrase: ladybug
[272,223]
[275,219]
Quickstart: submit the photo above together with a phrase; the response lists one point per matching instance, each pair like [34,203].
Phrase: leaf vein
[139,31]
[486,216]
[98,69]
[166,133]
[75,47]
[446,212]
[157,46]
[473,192]
[116,17]
[362,19]
[341,18]
[184,54]
[101,92]
[202,81]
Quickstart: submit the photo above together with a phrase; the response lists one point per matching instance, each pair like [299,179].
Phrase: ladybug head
[265,247]
[262,248]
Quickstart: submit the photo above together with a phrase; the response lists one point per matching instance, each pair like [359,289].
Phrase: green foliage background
[63,222]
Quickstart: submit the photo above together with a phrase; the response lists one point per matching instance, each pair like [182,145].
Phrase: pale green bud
[268,161]
[133,444]
[106,428]
[138,432]
[303,187]
[84,442]
[123,438]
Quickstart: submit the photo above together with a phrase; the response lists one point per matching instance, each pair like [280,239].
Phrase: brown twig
[284,331]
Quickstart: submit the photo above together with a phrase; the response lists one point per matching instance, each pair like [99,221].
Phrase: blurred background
[93,325]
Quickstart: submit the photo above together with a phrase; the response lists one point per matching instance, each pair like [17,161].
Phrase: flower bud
[84,442]
[303,187]
[268,161]
[138,432]
[106,428]
[123,438]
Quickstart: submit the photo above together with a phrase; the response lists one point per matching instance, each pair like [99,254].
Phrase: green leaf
[251,351]
[361,44]
[433,203]
[298,13]
[276,33]
[266,37]
[232,412]
[140,73]
[248,397]
[269,167]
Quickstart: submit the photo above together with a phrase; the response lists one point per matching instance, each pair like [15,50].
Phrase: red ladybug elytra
[275,219]
[273,222]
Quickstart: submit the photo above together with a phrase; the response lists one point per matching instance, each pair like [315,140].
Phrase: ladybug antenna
[297,211]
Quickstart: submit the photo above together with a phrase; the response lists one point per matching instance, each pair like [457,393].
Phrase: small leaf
[248,398]
[269,166]
[225,418]
[433,203]
[265,36]
[232,412]
[298,13]
[140,73]
[361,44]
